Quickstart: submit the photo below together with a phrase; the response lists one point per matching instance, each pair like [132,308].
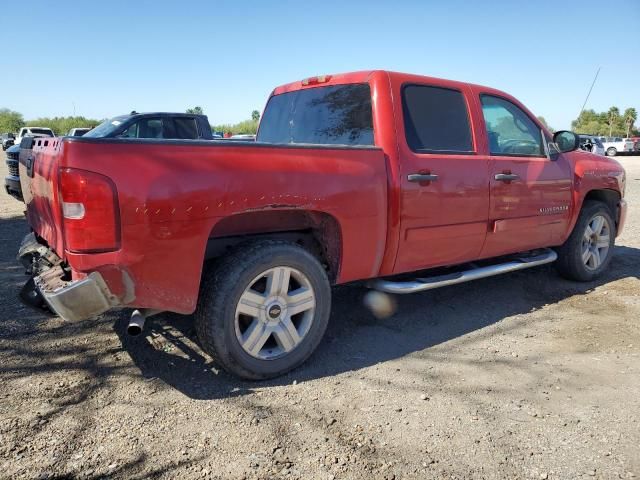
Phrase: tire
[253,339]
[576,257]
[611,152]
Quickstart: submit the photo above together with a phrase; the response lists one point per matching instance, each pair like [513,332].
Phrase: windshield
[42,131]
[107,127]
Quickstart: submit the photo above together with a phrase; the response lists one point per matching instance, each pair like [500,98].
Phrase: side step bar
[422,284]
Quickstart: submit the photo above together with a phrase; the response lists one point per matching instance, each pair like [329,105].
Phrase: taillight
[90,211]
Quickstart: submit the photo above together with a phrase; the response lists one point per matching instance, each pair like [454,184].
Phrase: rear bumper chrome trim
[422,284]
[76,300]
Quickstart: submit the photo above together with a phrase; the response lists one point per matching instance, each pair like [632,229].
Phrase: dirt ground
[520,376]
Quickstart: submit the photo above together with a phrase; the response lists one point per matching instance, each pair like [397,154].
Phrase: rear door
[530,193]
[444,182]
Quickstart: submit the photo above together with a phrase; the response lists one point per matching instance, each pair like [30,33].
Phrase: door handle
[506,177]
[422,177]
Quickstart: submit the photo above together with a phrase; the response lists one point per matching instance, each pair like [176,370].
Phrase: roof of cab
[364,76]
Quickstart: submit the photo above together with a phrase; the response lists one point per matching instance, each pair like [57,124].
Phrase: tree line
[11,121]
[610,123]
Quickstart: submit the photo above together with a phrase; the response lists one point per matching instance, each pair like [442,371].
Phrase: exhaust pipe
[138,317]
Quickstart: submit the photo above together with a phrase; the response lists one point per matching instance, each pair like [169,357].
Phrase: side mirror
[566,141]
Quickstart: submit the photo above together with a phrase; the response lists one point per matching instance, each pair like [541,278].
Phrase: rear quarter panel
[172,194]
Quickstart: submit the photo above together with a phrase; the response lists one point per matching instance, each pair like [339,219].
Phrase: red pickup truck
[359,176]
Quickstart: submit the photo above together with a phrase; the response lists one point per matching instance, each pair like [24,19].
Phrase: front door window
[511,132]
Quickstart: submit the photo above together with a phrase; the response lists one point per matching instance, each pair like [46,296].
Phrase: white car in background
[591,144]
[615,145]
[77,132]
[33,132]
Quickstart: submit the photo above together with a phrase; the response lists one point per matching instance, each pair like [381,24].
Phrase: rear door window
[185,128]
[333,115]
[436,120]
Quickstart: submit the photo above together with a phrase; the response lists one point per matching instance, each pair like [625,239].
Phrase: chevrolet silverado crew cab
[366,176]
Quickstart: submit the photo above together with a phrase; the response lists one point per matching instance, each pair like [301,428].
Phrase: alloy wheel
[596,242]
[274,313]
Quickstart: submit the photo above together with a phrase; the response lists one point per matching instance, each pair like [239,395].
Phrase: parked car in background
[364,176]
[244,137]
[7,139]
[21,153]
[636,143]
[158,125]
[33,132]
[615,145]
[590,143]
[77,132]
[12,180]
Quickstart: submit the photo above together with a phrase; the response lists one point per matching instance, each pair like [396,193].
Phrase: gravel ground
[520,376]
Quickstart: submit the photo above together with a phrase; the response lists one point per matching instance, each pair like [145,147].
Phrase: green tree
[10,121]
[195,110]
[630,116]
[543,121]
[612,118]
[609,123]
[255,115]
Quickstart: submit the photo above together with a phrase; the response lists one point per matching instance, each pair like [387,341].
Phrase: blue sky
[110,57]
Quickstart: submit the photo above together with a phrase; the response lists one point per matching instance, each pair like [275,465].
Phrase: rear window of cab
[331,115]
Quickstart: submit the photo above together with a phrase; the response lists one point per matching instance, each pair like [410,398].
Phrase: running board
[422,284]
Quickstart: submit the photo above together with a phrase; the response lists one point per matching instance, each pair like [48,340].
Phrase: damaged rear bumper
[72,300]
[75,300]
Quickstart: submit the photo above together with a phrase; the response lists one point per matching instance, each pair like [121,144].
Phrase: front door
[444,183]
[530,193]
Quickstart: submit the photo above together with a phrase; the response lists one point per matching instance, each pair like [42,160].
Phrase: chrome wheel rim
[275,313]
[596,242]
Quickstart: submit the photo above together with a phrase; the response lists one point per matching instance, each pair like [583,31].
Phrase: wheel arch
[609,197]
[318,232]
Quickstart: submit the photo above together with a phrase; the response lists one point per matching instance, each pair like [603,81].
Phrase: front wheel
[587,252]
[611,151]
[264,309]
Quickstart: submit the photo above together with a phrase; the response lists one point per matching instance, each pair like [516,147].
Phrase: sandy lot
[520,376]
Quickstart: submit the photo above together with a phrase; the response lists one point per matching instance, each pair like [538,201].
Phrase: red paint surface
[171,196]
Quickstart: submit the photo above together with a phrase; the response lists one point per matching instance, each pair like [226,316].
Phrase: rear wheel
[264,309]
[587,252]
[611,151]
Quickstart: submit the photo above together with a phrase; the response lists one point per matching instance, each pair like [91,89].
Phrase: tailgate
[39,182]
